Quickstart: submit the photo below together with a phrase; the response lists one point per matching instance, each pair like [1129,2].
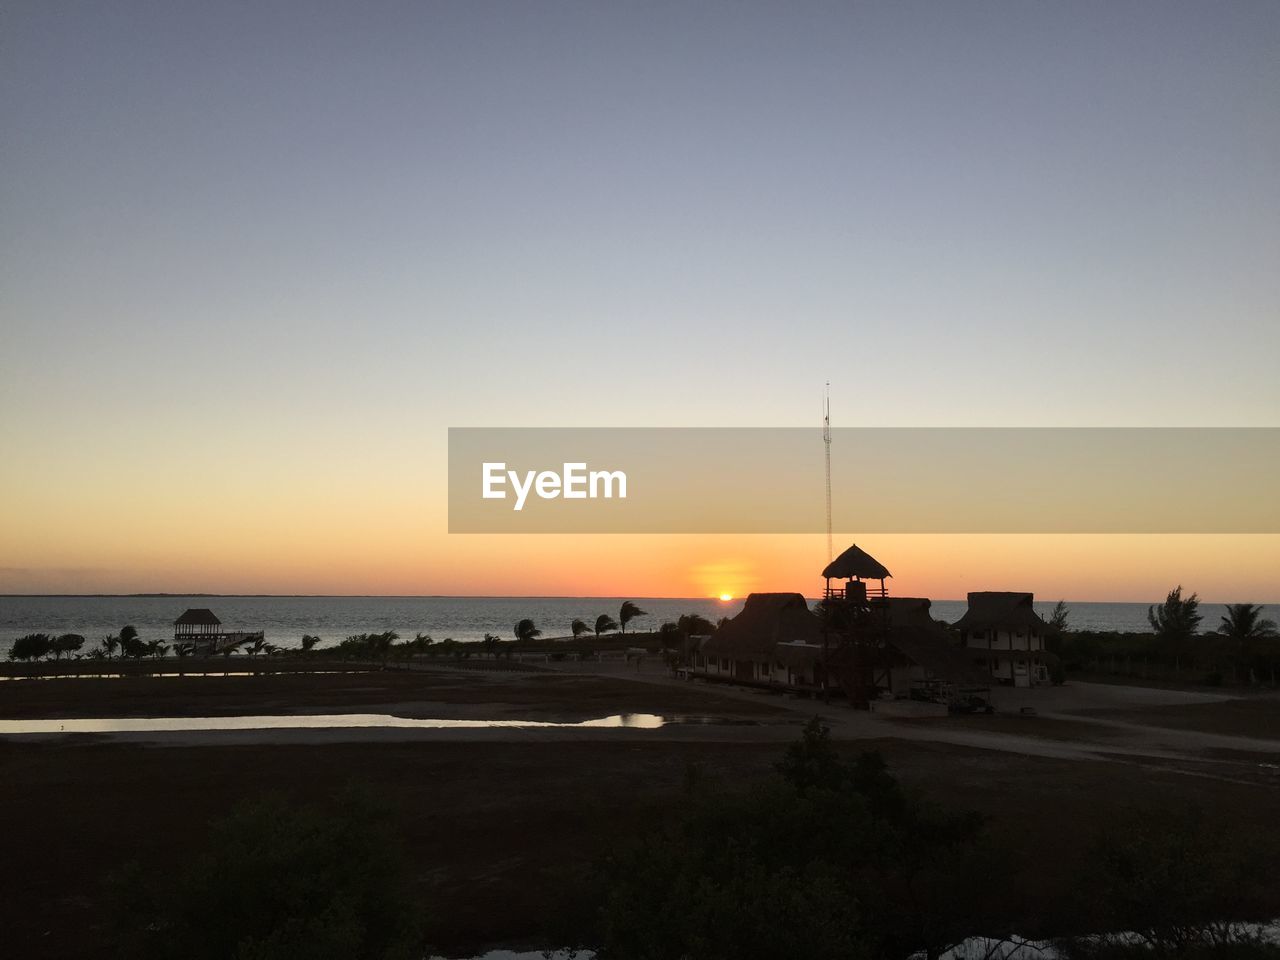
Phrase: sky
[256,258]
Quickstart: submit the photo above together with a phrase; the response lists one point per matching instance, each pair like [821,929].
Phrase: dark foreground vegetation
[825,854]
[276,881]
[1241,648]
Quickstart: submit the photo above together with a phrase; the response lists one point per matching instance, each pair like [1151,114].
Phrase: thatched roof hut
[197,617]
[766,620]
[905,612]
[994,610]
[856,564]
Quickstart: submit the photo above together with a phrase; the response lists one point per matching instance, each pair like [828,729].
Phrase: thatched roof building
[992,610]
[197,617]
[766,620]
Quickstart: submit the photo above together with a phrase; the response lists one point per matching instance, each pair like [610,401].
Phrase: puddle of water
[634,721]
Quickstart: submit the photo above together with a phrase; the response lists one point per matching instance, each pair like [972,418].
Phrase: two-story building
[1002,633]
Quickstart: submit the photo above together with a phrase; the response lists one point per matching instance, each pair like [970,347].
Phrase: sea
[286,619]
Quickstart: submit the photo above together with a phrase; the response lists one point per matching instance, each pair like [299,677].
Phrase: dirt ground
[500,834]
[1257,716]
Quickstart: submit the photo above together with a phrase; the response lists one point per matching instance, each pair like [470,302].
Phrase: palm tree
[380,643]
[308,641]
[1176,622]
[526,629]
[604,623]
[695,625]
[628,613]
[1246,632]
[109,645]
[131,645]
[692,625]
[579,627]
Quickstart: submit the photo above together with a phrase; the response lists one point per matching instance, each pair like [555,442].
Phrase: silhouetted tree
[131,645]
[367,646]
[579,627]
[1059,617]
[31,647]
[605,623]
[110,644]
[1176,623]
[695,625]
[66,643]
[628,612]
[526,629]
[309,642]
[1247,634]
[669,635]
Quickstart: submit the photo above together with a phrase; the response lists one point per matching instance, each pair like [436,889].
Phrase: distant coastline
[512,596]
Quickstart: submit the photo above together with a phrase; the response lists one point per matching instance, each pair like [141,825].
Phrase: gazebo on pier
[201,630]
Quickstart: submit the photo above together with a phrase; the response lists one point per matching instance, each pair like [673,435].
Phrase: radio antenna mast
[826,440]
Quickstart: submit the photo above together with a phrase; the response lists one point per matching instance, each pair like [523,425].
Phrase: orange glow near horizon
[324,533]
[377,552]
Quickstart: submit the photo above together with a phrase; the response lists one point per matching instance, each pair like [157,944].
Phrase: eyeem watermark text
[575,482]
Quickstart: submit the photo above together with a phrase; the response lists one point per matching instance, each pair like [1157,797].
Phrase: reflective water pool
[638,721]
[186,674]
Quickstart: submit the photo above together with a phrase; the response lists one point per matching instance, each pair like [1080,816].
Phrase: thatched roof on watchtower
[198,617]
[856,562]
[766,620]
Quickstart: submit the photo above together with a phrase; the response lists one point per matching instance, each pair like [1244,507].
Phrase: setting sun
[726,597]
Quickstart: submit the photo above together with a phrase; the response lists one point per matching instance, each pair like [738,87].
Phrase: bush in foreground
[830,859]
[277,881]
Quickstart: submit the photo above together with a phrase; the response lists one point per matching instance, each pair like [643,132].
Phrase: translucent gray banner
[917,480]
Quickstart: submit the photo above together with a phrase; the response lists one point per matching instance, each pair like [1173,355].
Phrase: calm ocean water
[286,619]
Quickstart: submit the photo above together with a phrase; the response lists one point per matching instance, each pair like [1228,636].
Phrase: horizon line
[499,596]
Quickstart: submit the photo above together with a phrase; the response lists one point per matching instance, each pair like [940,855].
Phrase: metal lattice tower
[826,440]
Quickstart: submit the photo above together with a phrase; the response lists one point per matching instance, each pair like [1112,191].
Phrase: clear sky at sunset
[256,258]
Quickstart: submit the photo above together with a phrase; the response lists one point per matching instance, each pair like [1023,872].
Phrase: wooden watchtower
[856,617]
